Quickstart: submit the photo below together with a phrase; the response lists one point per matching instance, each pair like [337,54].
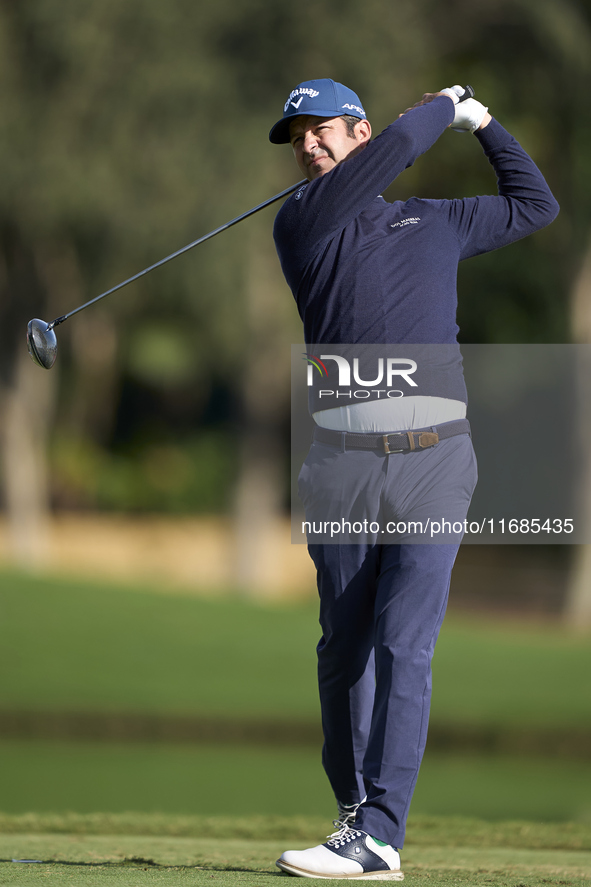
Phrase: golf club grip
[467,94]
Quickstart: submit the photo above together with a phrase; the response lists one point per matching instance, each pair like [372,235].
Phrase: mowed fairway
[95,647]
[222,812]
[228,851]
[198,779]
[70,645]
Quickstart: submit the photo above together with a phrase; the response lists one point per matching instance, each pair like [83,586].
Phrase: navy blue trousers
[381,608]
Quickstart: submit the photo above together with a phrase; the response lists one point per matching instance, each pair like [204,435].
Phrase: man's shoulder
[290,207]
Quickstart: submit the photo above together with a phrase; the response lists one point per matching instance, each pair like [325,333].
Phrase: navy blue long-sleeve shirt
[366,271]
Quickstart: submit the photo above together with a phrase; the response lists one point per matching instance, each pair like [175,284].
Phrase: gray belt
[396,442]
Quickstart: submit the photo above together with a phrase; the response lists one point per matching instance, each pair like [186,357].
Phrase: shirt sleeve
[524,202]
[327,204]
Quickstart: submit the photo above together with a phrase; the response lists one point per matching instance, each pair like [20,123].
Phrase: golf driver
[41,338]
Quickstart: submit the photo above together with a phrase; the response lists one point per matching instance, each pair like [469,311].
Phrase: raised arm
[524,202]
[323,207]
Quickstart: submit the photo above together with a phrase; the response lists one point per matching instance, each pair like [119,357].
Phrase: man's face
[321,143]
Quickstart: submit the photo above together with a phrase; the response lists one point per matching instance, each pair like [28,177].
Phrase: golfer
[367,272]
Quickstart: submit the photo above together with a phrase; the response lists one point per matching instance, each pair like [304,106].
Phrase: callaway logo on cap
[319,98]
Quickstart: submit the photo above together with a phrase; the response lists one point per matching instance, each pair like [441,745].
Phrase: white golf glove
[469,113]
[469,116]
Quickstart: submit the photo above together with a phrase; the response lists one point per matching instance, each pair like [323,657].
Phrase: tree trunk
[577,612]
[27,410]
[26,395]
[259,503]
[36,281]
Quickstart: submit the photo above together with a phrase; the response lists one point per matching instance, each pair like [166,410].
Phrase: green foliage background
[129,129]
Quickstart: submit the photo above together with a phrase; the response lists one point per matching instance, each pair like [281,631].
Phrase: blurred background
[157,626]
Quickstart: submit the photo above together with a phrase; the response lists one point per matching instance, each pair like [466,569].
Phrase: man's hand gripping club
[470,115]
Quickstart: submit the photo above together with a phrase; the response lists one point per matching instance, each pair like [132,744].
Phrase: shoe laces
[347,814]
[343,835]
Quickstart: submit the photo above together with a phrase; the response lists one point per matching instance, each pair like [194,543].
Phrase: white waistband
[391,415]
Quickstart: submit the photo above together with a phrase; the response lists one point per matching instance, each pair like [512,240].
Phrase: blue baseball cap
[319,98]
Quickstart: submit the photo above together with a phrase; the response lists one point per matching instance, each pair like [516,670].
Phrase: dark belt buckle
[387,449]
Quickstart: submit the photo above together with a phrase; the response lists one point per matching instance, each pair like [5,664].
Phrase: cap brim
[279,134]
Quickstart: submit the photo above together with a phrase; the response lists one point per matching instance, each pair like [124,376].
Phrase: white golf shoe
[349,853]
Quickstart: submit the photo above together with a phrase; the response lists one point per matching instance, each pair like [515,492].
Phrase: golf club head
[42,343]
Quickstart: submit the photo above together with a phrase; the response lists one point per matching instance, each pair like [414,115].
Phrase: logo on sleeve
[414,220]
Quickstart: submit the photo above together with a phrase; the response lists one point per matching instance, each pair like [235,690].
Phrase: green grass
[74,645]
[67,645]
[423,831]
[511,674]
[144,850]
[88,777]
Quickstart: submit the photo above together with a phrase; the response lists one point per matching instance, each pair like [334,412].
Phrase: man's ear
[363,131]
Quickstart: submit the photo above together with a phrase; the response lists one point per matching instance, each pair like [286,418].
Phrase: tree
[129,129]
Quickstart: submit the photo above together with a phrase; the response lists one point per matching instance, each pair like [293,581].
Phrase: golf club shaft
[179,252]
[468,93]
